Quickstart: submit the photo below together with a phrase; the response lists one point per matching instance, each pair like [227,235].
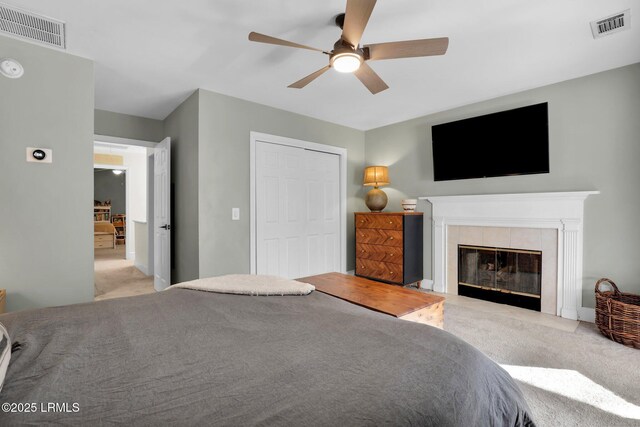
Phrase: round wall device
[11,68]
[39,154]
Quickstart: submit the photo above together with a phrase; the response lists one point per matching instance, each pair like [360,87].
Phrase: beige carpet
[116,277]
[574,377]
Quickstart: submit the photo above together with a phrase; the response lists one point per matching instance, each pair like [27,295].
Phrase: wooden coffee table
[406,304]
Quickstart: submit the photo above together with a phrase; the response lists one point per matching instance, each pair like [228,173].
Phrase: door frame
[137,143]
[256,137]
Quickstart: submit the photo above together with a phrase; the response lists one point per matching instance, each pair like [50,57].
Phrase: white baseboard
[587,314]
[143,268]
[427,284]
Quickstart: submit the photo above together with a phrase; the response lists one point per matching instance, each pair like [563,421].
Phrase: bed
[188,357]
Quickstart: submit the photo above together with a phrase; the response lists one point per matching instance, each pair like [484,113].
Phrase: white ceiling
[151,54]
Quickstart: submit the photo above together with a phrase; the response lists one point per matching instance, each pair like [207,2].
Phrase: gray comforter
[186,357]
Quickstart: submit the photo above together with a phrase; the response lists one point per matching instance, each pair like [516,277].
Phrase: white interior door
[162,215]
[297,211]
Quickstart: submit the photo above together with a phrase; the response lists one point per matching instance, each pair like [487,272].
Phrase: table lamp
[376,176]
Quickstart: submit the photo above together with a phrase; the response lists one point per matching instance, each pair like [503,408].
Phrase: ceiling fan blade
[311,77]
[370,79]
[408,49]
[261,38]
[355,20]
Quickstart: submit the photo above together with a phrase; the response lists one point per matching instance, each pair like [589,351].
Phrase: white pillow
[5,354]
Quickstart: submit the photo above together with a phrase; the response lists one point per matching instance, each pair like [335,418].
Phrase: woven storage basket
[618,314]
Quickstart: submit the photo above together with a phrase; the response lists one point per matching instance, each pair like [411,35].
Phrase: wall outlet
[39,155]
[235,214]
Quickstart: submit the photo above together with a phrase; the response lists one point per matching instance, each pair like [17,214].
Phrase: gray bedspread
[186,357]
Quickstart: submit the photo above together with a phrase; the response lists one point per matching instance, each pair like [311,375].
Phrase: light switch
[235,214]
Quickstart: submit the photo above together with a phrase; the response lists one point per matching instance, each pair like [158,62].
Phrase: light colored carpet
[588,381]
[116,277]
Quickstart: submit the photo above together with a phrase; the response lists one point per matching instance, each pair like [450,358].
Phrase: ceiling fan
[348,56]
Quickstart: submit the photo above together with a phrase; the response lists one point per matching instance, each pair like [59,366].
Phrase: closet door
[297,211]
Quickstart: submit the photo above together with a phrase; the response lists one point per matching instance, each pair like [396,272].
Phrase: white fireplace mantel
[563,211]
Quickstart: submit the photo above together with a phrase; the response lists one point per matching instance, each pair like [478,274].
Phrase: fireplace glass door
[507,276]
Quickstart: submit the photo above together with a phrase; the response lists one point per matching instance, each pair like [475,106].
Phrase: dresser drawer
[103,241]
[105,238]
[380,221]
[384,253]
[379,270]
[379,237]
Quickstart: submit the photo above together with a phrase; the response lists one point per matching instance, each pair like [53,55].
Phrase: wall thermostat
[39,155]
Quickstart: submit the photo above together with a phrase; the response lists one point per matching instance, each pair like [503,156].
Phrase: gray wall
[594,130]
[108,186]
[182,126]
[46,237]
[225,125]
[125,126]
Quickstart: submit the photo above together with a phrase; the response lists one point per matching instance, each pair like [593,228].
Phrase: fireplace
[559,218]
[502,275]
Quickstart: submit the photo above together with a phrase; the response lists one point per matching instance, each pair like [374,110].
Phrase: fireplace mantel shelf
[483,198]
[563,211]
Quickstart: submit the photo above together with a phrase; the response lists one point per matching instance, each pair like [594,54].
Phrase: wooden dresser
[389,246]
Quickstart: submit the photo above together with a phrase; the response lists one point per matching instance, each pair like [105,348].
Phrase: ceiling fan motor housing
[342,46]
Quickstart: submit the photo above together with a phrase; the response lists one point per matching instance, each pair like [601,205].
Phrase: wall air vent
[30,26]
[611,24]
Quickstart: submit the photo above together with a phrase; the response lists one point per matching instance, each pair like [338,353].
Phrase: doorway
[298,207]
[121,243]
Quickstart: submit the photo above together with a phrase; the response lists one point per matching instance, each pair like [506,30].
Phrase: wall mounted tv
[513,142]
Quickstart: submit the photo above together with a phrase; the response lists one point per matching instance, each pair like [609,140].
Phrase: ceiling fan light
[347,62]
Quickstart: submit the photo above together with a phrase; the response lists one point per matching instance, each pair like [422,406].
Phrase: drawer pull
[390,222]
[390,238]
[363,251]
[390,254]
[391,272]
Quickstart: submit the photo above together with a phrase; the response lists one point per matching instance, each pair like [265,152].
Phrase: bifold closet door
[297,211]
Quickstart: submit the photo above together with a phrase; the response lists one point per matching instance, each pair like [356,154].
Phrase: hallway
[116,277]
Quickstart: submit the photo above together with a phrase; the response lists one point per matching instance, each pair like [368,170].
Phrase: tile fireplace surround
[561,213]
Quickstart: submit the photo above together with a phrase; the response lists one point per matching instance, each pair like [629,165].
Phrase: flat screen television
[513,142]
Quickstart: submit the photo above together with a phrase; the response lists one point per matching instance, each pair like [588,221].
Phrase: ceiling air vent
[27,25]
[611,24]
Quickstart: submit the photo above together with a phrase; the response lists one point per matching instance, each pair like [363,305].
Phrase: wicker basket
[618,314]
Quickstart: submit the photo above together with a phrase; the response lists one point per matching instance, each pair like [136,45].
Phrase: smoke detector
[11,68]
[611,24]
[31,26]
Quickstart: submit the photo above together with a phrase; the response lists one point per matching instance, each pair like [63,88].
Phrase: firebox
[506,276]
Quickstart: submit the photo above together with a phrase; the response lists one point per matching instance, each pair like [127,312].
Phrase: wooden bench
[403,303]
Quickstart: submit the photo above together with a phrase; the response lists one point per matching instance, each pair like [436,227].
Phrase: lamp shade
[376,176]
